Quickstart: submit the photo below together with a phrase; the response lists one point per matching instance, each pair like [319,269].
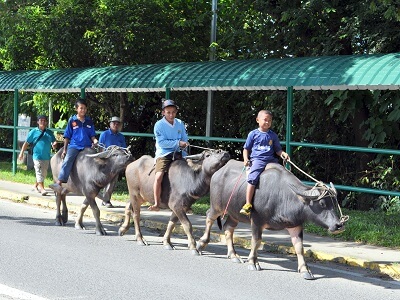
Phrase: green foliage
[373,228]
[23,175]
[121,192]
[383,175]
[201,206]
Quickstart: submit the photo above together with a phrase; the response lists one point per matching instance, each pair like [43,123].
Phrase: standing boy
[42,140]
[260,148]
[171,140]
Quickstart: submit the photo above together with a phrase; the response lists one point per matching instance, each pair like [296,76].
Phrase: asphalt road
[41,261]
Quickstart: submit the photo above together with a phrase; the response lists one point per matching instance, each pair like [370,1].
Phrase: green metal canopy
[378,71]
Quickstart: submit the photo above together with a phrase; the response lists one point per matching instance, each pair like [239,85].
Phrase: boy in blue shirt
[43,140]
[78,135]
[260,148]
[171,139]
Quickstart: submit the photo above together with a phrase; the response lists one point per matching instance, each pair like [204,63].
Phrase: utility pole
[210,94]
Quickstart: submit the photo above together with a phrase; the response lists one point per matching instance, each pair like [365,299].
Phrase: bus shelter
[344,72]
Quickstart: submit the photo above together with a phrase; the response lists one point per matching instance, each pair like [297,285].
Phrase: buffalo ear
[194,166]
[99,161]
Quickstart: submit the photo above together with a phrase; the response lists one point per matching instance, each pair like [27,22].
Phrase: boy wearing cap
[110,137]
[171,140]
[42,140]
[78,135]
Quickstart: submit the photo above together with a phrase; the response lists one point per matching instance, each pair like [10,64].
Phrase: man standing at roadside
[110,137]
[41,140]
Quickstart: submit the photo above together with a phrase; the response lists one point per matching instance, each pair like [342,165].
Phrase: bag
[30,149]
[31,146]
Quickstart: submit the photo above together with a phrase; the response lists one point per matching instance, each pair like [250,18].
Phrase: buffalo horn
[99,155]
[333,188]
[195,156]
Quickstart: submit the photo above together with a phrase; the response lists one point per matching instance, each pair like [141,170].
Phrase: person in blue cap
[41,140]
[110,137]
[79,134]
[171,140]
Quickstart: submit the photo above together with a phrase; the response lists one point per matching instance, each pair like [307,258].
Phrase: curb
[392,269]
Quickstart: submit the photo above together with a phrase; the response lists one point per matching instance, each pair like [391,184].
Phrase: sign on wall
[23,120]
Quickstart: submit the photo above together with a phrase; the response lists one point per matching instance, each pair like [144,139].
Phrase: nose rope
[210,149]
[326,189]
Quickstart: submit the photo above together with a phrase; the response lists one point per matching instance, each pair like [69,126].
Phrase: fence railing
[236,140]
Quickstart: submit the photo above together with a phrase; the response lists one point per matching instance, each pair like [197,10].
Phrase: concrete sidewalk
[383,260]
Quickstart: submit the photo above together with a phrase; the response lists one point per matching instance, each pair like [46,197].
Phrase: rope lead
[343,218]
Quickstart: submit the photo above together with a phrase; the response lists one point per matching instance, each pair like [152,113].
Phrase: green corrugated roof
[378,71]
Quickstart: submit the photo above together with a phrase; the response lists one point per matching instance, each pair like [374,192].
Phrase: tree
[49,34]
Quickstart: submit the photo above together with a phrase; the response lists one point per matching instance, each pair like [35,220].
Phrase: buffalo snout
[337,228]
[226,156]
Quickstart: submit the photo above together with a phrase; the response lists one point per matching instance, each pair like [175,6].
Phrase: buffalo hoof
[195,252]
[65,218]
[236,259]
[121,231]
[200,246]
[307,275]
[59,221]
[107,204]
[254,267]
[79,226]
[101,232]
[141,243]
[169,247]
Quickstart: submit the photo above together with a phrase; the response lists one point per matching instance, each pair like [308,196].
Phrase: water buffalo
[91,172]
[280,202]
[187,181]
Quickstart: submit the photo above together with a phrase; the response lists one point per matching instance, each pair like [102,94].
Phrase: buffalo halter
[112,148]
[323,188]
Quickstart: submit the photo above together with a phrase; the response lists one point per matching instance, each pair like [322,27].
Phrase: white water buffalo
[90,173]
[185,182]
[280,202]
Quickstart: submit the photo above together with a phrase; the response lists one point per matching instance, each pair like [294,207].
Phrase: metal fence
[290,144]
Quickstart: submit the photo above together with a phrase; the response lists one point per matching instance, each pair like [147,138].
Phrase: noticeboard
[23,120]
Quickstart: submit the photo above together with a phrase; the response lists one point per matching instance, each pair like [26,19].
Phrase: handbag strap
[40,136]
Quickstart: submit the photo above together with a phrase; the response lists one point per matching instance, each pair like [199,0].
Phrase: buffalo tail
[219,223]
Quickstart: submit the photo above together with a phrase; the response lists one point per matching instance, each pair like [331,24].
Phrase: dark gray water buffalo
[185,182]
[280,202]
[91,172]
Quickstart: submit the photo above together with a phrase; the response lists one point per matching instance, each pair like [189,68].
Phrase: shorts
[256,168]
[41,167]
[163,162]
